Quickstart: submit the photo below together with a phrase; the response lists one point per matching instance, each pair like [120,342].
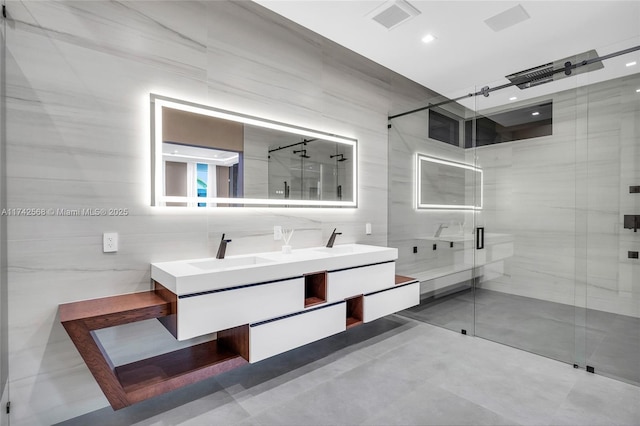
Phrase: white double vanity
[259,305]
[285,300]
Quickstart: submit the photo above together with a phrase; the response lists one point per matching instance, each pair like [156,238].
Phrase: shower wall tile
[578,173]
[561,197]
[409,227]
[79,76]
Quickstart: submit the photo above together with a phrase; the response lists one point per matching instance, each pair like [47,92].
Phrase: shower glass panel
[545,257]
[612,271]
[433,190]
[526,142]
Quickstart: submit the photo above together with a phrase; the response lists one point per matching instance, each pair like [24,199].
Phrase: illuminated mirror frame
[420,159]
[157,197]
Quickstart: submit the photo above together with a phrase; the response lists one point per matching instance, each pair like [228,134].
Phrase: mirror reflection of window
[191,171]
[202,182]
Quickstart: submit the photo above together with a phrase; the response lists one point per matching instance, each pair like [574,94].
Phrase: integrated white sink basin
[229,263]
[335,250]
[200,275]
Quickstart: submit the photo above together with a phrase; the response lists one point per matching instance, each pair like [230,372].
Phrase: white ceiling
[467,54]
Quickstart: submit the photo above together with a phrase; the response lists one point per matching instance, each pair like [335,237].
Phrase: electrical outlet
[277,233]
[110,242]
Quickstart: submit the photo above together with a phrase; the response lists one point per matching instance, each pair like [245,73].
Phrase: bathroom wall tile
[79,76]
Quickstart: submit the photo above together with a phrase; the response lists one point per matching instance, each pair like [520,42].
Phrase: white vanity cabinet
[391,300]
[264,304]
[200,314]
[346,283]
[259,305]
[279,335]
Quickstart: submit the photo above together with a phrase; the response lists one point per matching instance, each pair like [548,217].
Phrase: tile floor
[608,342]
[393,371]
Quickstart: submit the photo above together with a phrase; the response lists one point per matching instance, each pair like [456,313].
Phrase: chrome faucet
[332,239]
[222,248]
[440,228]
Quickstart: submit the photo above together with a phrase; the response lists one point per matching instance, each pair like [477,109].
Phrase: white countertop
[201,275]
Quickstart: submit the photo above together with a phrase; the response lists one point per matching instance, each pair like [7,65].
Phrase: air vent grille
[393,13]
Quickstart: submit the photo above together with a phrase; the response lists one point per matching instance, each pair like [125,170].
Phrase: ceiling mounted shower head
[549,72]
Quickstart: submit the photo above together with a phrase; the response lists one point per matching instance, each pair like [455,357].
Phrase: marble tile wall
[568,195]
[78,78]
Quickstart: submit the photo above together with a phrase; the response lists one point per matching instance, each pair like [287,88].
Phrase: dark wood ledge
[401,279]
[127,384]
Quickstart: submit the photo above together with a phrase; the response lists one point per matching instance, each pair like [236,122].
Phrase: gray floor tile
[432,405]
[609,342]
[394,371]
[597,400]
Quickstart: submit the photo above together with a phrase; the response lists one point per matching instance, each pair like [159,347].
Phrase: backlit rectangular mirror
[208,157]
[443,184]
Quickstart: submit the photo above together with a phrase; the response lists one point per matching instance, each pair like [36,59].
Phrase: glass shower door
[526,292]
[612,187]
[432,198]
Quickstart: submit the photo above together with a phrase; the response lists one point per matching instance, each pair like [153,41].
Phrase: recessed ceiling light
[535,113]
[637,90]
[428,38]
[630,64]
[513,98]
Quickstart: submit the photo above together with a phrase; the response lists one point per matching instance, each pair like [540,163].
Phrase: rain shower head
[303,153]
[549,72]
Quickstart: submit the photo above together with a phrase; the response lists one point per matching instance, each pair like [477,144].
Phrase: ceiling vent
[544,73]
[392,13]
[507,19]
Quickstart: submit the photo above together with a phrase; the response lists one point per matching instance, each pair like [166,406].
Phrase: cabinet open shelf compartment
[134,382]
[354,311]
[315,288]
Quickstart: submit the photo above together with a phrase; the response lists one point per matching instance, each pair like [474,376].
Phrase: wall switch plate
[277,233]
[110,242]
[367,229]
[633,255]
[634,189]
[415,249]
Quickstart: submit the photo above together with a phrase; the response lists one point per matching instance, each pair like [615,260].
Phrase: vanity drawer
[361,280]
[273,337]
[382,303]
[220,310]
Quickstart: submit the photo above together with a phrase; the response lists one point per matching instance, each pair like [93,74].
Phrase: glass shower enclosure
[515,209]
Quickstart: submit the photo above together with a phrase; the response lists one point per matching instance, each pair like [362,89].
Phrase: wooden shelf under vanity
[134,382]
[354,311]
[315,288]
[401,279]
